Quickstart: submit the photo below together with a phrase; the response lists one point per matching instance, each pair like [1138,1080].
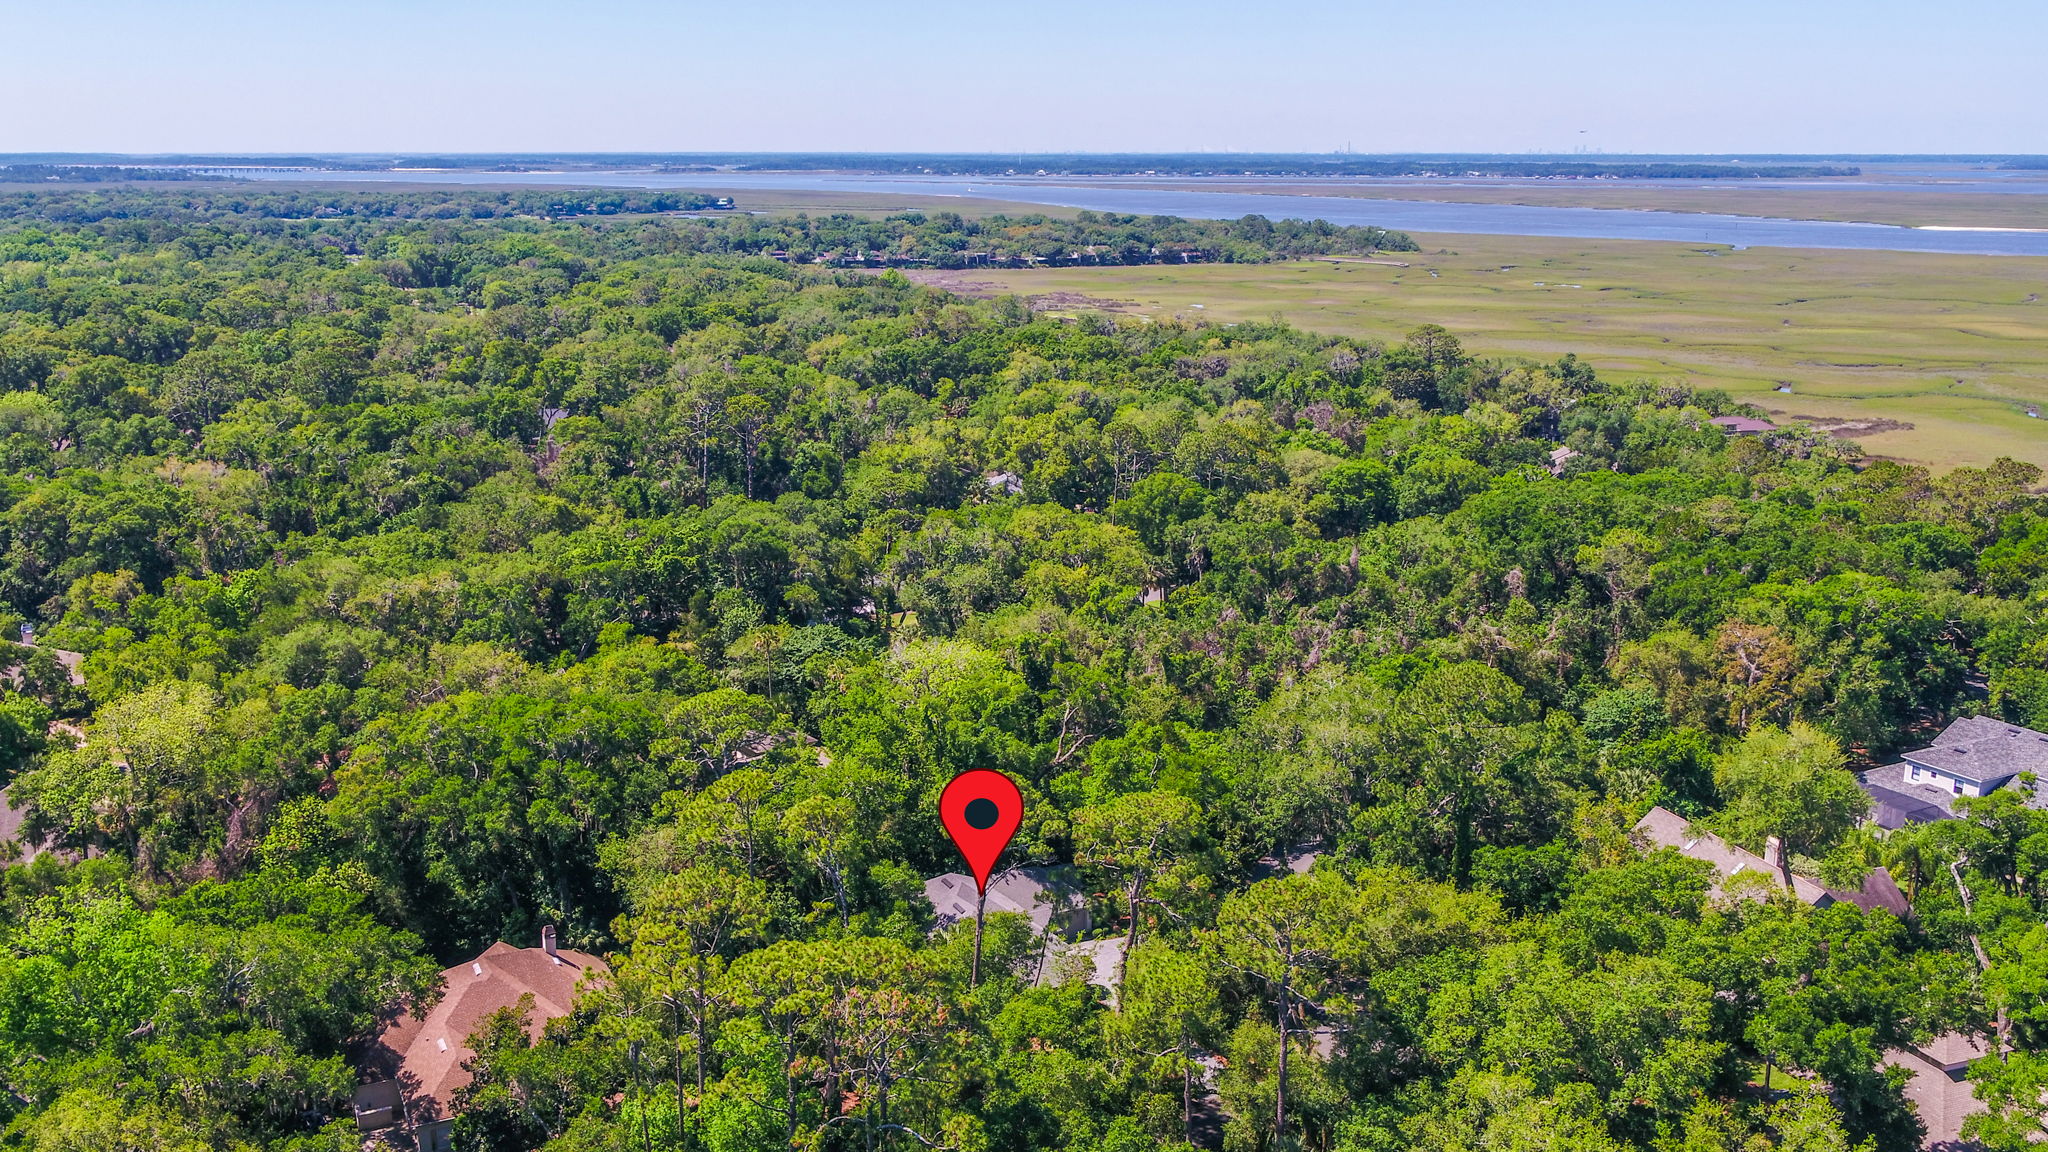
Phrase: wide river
[1113,195]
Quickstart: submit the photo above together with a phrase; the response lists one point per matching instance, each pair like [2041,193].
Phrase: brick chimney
[1774,855]
[547,941]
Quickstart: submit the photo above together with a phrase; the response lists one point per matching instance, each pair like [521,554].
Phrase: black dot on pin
[981,813]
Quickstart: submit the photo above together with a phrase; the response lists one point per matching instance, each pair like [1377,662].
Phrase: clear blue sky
[1285,75]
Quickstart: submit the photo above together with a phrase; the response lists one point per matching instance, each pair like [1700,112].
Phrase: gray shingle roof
[1980,749]
[1986,752]
[1038,893]
[1897,801]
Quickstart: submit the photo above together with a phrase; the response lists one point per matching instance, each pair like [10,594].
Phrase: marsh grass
[1954,346]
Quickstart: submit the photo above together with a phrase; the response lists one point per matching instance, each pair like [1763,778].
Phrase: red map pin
[981,810]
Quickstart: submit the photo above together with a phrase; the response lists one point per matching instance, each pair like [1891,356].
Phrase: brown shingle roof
[1940,1094]
[1665,828]
[1881,891]
[1668,829]
[1952,1051]
[24,847]
[425,1054]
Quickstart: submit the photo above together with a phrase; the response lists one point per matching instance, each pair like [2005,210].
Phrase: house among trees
[1667,829]
[1045,899]
[1058,912]
[420,1059]
[17,846]
[1938,1085]
[1974,756]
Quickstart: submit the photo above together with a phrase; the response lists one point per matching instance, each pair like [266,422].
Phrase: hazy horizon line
[162,154]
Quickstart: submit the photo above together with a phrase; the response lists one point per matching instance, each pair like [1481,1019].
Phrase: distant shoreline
[1894,216]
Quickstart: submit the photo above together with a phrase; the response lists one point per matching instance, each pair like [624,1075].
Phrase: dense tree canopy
[436,579]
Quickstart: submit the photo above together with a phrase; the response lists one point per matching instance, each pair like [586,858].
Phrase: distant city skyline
[1744,76]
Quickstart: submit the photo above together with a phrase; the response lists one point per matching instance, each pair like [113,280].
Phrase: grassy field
[1821,201]
[1923,357]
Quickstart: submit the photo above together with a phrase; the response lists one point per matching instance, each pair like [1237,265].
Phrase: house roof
[1665,828]
[1035,892]
[1668,829]
[425,1054]
[1102,959]
[1897,801]
[73,663]
[1977,749]
[26,848]
[1965,729]
[1952,1051]
[1980,749]
[11,820]
[1880,891]
[1940,1097]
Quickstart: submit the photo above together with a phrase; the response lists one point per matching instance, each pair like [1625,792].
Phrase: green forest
[436,580]
[20,173]
[940,239]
